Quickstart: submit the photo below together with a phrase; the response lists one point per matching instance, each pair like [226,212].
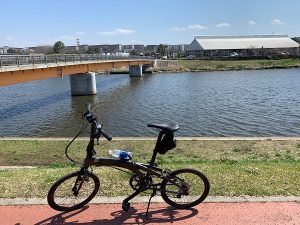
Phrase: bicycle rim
[187,188]
[73,191]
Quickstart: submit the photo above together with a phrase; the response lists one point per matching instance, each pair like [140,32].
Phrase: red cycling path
[266,213]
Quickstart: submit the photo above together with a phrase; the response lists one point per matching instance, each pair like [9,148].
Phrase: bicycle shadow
[162,215]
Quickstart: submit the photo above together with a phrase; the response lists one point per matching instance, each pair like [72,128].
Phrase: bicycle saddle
[164,127]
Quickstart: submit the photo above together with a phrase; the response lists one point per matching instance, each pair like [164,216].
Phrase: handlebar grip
[106,135]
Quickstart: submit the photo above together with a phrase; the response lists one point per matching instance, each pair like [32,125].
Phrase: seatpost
[155,149]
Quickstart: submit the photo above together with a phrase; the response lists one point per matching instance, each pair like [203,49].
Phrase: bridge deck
[12,73]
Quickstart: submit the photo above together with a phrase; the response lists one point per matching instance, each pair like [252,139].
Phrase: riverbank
[227,65]
[234,168]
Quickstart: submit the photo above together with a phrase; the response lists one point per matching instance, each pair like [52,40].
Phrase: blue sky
[32,22]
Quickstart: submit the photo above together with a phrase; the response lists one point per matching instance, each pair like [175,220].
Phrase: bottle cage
[167,143]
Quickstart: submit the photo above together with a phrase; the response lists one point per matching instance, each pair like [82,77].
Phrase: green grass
[216,65]
[227,179]
[52,152]
[234,168]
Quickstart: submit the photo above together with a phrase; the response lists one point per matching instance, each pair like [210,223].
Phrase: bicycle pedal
[125,206]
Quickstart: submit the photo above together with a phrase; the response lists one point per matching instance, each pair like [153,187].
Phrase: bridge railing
[19,60]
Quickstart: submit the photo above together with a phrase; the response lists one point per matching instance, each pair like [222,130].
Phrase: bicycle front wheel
[185,188]
[73,191]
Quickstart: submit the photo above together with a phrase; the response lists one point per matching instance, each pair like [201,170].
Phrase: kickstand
[152,195]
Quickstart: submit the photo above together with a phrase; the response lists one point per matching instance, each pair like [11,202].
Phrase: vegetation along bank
[234,168]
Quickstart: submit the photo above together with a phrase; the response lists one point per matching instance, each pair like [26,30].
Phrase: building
[297,39]
[151,48]
[43,49]
[4,49]
[115,48]
[127,48]
[268,46]
[177,48]
[139,47]
[73,49]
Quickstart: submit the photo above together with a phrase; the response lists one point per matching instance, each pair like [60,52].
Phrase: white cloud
[197,27]
[178,29]
[223,25]
[276,22]
[9,38]
[66,37]
[189,27]
[117,31]
[251,23]
[80,33]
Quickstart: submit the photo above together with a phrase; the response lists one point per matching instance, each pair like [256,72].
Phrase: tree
[162,50]
[93,50]
[58,47]
[133,52]
[12,51]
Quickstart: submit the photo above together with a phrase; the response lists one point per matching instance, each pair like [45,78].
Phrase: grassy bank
[234,168]
[227,179]
[224,65]
[39,153]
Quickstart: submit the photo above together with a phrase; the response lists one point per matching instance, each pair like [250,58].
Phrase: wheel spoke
[186,188]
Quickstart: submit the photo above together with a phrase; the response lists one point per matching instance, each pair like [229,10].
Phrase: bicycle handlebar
[106,135]
[88,115]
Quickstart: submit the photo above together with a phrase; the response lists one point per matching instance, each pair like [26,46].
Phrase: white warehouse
[243,46]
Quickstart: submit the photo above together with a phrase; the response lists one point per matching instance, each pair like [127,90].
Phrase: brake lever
[98,133]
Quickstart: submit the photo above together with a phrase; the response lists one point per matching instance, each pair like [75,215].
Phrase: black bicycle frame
[135,167]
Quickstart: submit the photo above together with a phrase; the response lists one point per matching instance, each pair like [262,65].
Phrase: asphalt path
[267,213]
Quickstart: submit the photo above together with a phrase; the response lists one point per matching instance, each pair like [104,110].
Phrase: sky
[27,23]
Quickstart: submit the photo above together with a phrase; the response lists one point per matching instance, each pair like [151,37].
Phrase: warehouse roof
[241,42]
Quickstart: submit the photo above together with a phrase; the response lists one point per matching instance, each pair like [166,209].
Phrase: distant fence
[18,60]
[166,64]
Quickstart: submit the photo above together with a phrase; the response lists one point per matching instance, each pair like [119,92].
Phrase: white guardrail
[19,60]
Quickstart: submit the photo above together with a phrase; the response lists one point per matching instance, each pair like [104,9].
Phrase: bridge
[81,68]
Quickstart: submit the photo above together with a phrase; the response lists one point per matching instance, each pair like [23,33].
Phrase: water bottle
[121,154]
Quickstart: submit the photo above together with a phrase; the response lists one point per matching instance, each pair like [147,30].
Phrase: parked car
[234,54]
[190,57]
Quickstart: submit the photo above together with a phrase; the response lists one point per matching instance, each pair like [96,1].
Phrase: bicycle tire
[59,202]
[191,200]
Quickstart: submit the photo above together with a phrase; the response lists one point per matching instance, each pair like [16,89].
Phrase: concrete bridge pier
[83,84]
[136,70]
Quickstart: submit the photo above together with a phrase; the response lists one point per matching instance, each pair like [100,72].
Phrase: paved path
[268,213]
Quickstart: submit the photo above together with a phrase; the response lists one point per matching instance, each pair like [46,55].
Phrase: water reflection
[238,103]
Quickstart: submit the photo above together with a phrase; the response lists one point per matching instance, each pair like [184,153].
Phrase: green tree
[12,51]
[133,52]
[93,51]
[58,47]
[162,50]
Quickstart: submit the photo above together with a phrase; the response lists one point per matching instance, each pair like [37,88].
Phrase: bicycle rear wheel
[186,188]
[73,191]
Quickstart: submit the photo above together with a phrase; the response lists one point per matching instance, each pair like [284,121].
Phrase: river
[232,103]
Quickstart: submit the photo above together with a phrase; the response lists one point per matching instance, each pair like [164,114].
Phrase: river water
[233,103]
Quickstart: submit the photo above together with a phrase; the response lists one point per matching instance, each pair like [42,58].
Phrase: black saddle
[164,127]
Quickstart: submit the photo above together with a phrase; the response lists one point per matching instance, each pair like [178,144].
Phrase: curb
[17,167]
[157,199]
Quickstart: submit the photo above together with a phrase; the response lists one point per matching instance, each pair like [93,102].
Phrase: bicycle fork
[79,181]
